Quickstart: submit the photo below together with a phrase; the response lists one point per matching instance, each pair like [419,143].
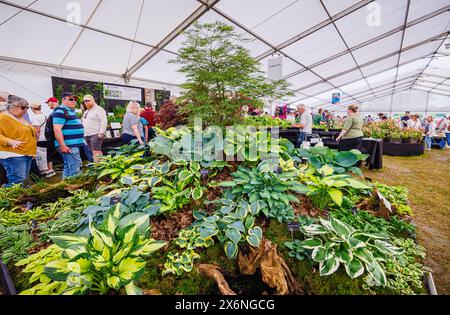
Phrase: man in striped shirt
[69,134]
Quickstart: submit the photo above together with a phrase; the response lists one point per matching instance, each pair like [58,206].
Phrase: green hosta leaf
[231,249]
[319,254]
[311,243]
[336,195]
[238,225]
[340,228]
[376,272]
[197,193]
[256,231]
[67,240]
[328,266]
[357,184]
[345,159]
[354,269]
[233,234]
[253,240]
[227,184]
[299,188]
[314,161]
[249,222]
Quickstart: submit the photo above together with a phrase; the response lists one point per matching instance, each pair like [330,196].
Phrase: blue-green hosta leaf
[67,240]
[336,195]
[198,215]
[340,228]
[197,193]
[314,229]
[345,159]
[376,272]
[127,180]
[240,213]
[231,249]
[356,170]
[338,169]
[132,289]
[233,234]
[141,220]
[57,270]
[253,240]
[131,268]
[256,231]
[226,209]
[320,254]
[328,266]
[354,269]
[311,243]
[208,232]
[238,225]
[299,188]
[388,248]
[315,162]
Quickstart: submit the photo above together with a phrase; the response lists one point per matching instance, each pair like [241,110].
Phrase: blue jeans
[447,136]
[427,142]
[17,169]
[72,162]
[301,138]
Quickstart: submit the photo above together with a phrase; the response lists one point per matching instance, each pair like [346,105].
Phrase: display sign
[293,226]
[115,125]
[385,201]
[275,71]
[115,92]
[335,98]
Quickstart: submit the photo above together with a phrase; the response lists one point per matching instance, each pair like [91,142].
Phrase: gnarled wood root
[274,269]
[213,271]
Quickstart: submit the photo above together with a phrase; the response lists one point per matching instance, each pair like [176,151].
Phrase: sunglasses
[72,99]
[23,107]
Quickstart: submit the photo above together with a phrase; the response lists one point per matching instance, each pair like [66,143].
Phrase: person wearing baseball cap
[69,134]
[52,102]
[95,123]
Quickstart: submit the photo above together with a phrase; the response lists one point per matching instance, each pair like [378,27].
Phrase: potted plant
[396,137]
[406,136]
[416,136]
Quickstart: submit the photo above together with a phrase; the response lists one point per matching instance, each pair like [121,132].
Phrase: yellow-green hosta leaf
[336,195]
[74,251]
[67,240]
[113,282]
[131,269]
[150,247]
[326,170]
[57,270]
[121,254]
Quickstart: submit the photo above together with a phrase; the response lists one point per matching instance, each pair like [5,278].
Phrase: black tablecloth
[403,149]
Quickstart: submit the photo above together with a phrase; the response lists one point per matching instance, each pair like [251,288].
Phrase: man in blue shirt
[69,134]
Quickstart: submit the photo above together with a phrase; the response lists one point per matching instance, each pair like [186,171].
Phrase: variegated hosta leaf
[364,254]
[253,240]
[355,243]
[141,220]
[130,269]
[326,224]
[344,254]
[320,254]
[340,228]
[311,243]
[314,229]
[354,269]
[68,240]
[132,289]
[256,231]
[231,249]
[376,272]
[328,266]
[388,248]
[57,270]
[150,247]
[366,236]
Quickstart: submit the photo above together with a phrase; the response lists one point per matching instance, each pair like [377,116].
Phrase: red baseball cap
[52,100]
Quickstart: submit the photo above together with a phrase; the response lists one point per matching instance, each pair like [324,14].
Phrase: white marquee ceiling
[327,45]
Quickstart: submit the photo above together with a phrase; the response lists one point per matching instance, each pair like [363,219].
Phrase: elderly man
[69,134]
[304,122]
[95,123]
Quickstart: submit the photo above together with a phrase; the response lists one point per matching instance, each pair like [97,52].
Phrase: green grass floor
[428,179]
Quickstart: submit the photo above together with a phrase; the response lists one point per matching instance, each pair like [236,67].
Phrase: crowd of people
[35,144]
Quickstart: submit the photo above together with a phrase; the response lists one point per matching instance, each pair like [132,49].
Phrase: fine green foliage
[266,121]
[111,257]
[221,76]
[15,242]
[334,243]
[116,166]
[397,196]
[271,189]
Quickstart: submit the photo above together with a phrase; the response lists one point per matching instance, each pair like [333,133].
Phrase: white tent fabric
[371,52]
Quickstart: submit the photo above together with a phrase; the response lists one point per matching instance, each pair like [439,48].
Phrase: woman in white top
[414,122]
[39,121]
[430,131]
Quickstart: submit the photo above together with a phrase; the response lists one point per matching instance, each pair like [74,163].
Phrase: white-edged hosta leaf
[319,254]
[355,243]
[326,224]
[328,266]
[314,229]
[354,269]
[376,272]
[388,248]
[344,254]
[364,254]
[340,228]
[311,243]
[197,193]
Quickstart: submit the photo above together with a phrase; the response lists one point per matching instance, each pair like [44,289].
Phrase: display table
[403,149]
[110,143]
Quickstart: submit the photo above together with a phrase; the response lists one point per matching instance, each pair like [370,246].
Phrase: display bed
[403,149]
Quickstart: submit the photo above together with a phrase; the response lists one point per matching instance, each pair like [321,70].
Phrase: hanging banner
[115,92]
[275,70]
[335,98]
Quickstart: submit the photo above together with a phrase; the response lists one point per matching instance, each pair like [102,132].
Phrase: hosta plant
[116,166]
[110,258]
[272,189]
[334,243]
